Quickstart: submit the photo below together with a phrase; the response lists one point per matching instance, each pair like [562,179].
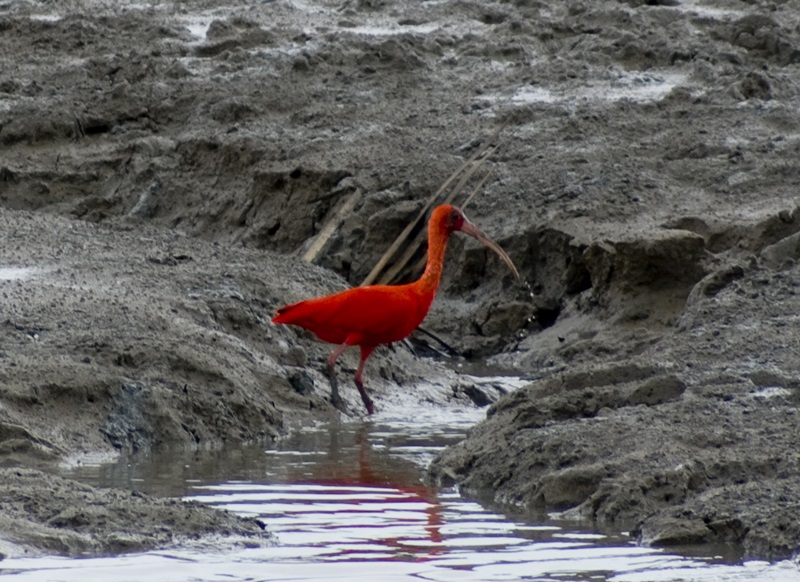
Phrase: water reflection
[358,482]
[346,501]
[388,451]
[370,479]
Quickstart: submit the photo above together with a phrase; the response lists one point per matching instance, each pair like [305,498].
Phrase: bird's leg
[365,352]
[336,400]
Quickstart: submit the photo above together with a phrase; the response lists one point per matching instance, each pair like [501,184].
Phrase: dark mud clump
[154,159]
[60,516]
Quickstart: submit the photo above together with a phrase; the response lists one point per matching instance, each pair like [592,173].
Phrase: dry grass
[388,269]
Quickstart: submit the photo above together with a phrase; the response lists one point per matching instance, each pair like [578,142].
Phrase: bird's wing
[371,315]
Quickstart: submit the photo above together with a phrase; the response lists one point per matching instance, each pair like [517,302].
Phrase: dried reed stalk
[463,174]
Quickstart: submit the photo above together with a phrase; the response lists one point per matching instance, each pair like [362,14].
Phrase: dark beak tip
[479,235]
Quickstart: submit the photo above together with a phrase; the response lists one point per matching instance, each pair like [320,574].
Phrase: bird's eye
[454,220]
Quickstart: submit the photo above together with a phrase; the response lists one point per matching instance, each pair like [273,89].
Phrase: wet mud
[163,167]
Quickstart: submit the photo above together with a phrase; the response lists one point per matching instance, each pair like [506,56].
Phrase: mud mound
[682,442]
[54,515]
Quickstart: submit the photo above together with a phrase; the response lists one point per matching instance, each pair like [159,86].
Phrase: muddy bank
[689,441]
[126,339]
[45,513]
[154,157]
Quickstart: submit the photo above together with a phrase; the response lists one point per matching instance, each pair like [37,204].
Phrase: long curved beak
[477,233]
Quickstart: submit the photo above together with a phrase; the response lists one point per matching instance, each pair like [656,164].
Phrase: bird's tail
[306,314]
[289,313]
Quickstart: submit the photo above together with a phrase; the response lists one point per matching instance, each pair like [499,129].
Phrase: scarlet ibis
[381,314]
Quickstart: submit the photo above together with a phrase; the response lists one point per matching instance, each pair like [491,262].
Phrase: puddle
[711,12]
[15,273]
[393,29]
[639,87]
[46,17]
[347,501]
[198,28]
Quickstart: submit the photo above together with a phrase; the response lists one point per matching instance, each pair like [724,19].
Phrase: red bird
[381,314]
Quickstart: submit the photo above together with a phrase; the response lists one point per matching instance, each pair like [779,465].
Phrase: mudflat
[164,168]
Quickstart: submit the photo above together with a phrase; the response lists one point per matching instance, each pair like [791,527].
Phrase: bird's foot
[336,400]
[370,407]
[365,397]
[338,403]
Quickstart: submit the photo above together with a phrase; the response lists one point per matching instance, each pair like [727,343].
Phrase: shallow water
[15,273]
[346,502]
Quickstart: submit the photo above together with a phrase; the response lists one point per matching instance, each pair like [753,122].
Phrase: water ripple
[346,502]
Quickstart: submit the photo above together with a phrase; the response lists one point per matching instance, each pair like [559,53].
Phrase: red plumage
[381,314]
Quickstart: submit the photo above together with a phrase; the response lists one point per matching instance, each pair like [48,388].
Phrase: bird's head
[453,219]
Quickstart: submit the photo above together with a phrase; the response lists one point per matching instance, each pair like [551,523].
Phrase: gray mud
[162,166]
[46,513]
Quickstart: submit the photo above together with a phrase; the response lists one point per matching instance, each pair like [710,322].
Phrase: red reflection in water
[376,469]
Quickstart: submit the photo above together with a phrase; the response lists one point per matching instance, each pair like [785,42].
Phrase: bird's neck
[437,244]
